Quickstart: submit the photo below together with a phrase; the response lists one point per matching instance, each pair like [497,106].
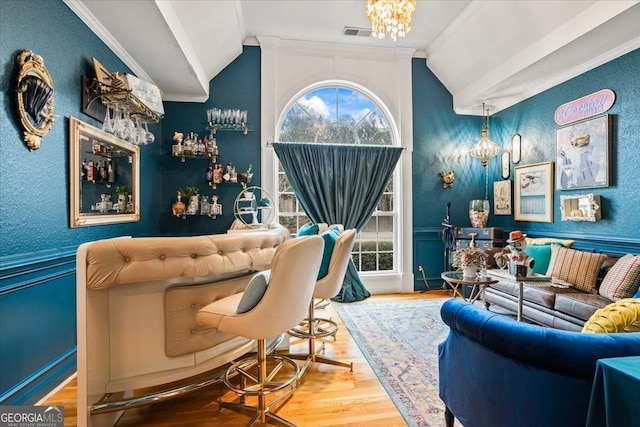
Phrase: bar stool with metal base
[312,327]
[293,274]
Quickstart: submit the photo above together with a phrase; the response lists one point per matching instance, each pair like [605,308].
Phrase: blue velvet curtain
[339,184]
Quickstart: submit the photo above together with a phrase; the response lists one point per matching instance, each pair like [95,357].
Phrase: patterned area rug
[400,341]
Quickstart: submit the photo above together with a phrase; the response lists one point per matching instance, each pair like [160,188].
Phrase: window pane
[297,126]
[283,184]
[385,225]
[374,129]
[386,203]
[287,203]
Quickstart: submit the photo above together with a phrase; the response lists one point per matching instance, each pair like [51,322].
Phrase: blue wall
[37,247]
[442,139]
[236,87]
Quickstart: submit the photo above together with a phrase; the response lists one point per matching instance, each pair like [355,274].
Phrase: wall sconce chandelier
[390,17]
[485,149]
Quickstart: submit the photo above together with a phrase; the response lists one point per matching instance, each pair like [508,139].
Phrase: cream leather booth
[137,299]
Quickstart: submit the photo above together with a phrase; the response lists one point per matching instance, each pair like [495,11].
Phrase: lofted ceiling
[497,52]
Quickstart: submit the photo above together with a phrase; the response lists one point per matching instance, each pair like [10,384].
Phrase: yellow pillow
[538,241]
[620,316]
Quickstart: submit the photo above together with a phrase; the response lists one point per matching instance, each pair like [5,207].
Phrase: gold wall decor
[448,178]
[34,91]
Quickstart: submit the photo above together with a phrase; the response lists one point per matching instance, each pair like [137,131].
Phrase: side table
[457,280]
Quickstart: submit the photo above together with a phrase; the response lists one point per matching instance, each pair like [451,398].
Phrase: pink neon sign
[587,106]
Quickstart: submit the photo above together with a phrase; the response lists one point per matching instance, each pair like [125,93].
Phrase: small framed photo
[583,153]
[506,165]
[533,192]
[502,197]
[516,146]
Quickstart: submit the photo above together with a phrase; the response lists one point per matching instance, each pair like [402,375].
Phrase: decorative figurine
[448,178]
[520,263]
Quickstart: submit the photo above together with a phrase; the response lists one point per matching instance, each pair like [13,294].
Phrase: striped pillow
[577,268]
[622,279]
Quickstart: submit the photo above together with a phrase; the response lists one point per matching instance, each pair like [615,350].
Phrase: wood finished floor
[328,396]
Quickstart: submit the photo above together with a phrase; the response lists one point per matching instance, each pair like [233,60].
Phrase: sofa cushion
[542,255]
[542,294]
[330,238]
[620,316]
[309,230]
[580,304]
[622,279]
[254,291]
[578,268]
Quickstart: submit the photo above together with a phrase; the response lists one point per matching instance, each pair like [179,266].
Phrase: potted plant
[469,260]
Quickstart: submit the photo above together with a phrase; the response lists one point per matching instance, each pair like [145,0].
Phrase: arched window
[342,114]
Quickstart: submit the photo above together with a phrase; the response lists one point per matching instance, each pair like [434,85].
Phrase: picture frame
[502,197]
[506,165]
[533,192]
[516,148]
[583,154]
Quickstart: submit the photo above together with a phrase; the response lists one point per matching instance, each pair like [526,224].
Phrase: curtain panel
[339,184]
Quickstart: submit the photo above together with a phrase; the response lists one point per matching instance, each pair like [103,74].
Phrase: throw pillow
[622,279]
[620,316]
[254,291]
[330,238]
[309,230]
[536,241]
[578,268]
[542,255]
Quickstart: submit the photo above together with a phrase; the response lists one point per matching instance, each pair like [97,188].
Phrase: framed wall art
[505,165]
[533,192]
[583,152]
[502,197]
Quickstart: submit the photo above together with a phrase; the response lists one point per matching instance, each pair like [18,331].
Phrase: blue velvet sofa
[497,372]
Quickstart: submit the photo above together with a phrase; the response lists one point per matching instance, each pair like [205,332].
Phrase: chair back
[330,285]
[294,270]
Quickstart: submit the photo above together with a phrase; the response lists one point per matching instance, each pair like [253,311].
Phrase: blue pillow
[309,230]
[254,291]
[542,255]
[330,238]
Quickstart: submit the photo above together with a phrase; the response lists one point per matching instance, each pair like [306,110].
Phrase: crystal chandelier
[484,149]
[390,17]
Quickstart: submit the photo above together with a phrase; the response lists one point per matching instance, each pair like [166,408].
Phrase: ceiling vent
[358,32]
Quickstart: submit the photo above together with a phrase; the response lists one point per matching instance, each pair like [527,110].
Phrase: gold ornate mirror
[34,93]
[104,177]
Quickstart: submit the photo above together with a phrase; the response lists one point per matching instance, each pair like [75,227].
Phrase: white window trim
[395,94]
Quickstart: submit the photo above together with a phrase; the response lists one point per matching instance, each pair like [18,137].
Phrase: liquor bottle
[84,170]
[217,174]
[111,173]
[209,174]
[90,172]
[103,171]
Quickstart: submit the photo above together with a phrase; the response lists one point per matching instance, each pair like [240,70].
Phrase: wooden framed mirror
[104,177]
[580,207]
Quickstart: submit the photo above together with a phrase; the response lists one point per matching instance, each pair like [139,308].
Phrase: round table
[457,280]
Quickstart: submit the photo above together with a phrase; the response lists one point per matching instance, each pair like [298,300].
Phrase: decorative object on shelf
[390,17]
[228,119]
[516,148]
[448,178]
[583,154]
[193,147]
[34,93]
[479,213]
[253,207]
[193,199]
[124,198]
[178,207]
[470,260]
[98,161]
[125,114]
[506,165]
[502,197]
[533,192]
[580,207]
[245,177]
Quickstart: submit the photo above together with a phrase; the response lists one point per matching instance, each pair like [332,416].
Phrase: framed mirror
[104,183]
[580,207]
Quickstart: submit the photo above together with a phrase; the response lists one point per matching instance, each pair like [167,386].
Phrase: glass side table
[457,281]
